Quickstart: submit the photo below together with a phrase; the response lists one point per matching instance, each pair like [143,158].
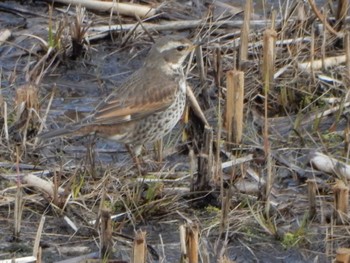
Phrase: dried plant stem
[192,243]
[18,201]
[6,128]
[106,235]
[322,18]
[268,72]
[343,8]
[189,243]
[234,105]
[139,253]
[205,161]
[347,51]
[195,105]
[116,7]
[341,199]
[36,248]
[312,187]
[245,32]
[200,63]
[343,255]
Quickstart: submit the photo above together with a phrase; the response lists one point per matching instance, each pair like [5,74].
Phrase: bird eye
[180,48]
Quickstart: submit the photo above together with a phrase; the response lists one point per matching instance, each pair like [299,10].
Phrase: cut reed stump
[234,106]
[106,242]
[341,199]
[343,255]
[139,253]
[205,162]
[189,236]
[312,188]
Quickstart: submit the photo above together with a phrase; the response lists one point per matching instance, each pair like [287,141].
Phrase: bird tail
[58,132]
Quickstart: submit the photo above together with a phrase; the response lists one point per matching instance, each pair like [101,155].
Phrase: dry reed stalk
[139,253]
[347,51]
[343,8]
[218,67]
[195,105]
[106,241]
[205,162]
[98,32]
[341,199]
[36,248]
[6,130]
[322,18]
[243,50]
[312,187]
[234,105]
[343,255]
[225,259]
[18,212]
[183,247]
[189,243]
[27,109]
[117,8]
[200,64]
[192,242]
[225,208]
[268,69]
[301,12]
[158,146]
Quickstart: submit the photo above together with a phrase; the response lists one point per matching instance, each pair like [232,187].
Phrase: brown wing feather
[135,99]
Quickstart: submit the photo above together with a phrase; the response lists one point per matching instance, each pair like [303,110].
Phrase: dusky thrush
[146,106]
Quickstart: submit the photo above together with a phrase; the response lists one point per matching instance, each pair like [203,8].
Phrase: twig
[117,8]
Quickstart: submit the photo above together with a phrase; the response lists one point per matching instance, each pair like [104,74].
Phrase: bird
[146,106]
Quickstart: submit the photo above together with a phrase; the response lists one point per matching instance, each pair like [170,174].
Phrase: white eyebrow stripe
[169,46]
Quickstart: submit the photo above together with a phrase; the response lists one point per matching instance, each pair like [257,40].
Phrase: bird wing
[140,95]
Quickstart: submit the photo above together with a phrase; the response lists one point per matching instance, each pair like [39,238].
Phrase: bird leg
[134,153]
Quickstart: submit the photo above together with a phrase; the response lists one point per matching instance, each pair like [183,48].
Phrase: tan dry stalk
[268,72]
[106,241]
[322,18]
[18,211]
[218,67]
[225,259]
[117,8]
[139,253]
[341,198]
[158,146]
[347,51]
[312,58]
[183,247]
[301,12]
[27,110]
[234,105]
[36,248]
[343,8]
[200,64]
[312,187]
[195,105]
[343,255]
[225,205]
[243,50]
[205,162]
[192,237]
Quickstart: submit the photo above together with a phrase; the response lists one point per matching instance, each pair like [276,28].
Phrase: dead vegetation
[258,171]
